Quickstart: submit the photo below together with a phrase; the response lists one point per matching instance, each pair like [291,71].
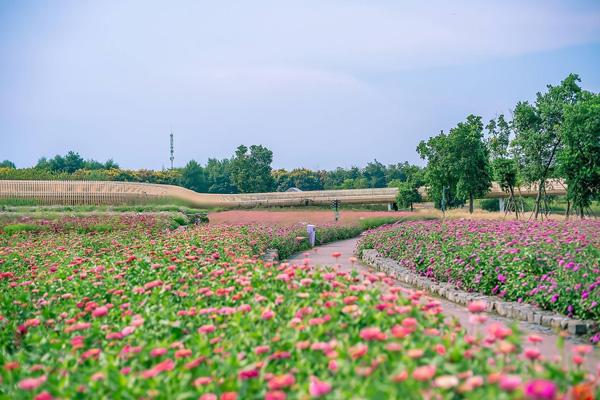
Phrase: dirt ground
[290,217]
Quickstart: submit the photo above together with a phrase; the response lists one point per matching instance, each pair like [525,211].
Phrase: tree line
[248,170]
[556,136]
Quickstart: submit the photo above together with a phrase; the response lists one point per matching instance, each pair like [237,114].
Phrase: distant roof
[293,189]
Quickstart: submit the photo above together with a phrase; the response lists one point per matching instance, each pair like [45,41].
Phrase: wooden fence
[111,193]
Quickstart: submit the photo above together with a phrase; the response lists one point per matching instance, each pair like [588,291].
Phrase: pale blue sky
[322,83]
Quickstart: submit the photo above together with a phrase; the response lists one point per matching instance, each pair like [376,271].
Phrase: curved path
[321,256]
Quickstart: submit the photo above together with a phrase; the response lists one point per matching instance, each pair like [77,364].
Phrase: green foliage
[489,205]
[579,160]
[251,169]
[301,178]
[193,177]
[408,194]
[458,164]
[374,173]
[537,126]
[17,228]
[7,164]
[218,176]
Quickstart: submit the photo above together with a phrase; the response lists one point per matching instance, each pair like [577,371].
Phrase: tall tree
[193,177]
[579,160]
[374,173]
[251,169]
[504,167]
[471,160]
[218,176]
[439,176]
[537,134]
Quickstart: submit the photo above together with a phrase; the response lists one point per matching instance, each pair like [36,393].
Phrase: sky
[322,83]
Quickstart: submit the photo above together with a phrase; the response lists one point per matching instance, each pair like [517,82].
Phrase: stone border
[509,309]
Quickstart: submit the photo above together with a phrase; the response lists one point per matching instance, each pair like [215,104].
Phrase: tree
[110,164]
[72,162]
[471,165]
[218,176]
[43,163]
[251,169]
[408,194]
[374,173]
[7,164]
[579,159]
[538,140]
[193,177]
[504,167]
[458,164]
[439,176]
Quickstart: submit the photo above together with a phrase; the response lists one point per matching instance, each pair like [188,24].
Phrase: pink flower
[248,374]
[477,306]
[333,365]
[159,351]
[208,396]
[540,389]
[410,323]
[100,312]
[275,395]
[261,349]
[162,366]
[509,383]
[206,329]
[32,383]
[372,334]
[44,396]
[281,382]
[203,380]
[318,388]
[535,339]
[358,351]
[91,353]
[532,353]
[424,373]
[267,314]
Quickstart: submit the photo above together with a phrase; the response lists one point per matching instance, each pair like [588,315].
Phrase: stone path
[321,256]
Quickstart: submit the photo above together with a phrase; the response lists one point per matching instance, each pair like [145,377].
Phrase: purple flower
[540,389]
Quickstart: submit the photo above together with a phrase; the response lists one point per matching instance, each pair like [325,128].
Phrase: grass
[17,228]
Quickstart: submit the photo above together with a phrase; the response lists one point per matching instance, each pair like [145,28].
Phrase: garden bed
[551,264]
[153,313]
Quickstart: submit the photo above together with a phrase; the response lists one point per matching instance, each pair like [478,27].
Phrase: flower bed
[551,264]
[197,314]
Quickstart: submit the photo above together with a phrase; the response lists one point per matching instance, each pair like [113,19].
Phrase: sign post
[335,205]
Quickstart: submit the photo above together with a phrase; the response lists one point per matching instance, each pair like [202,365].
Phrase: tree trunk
[513,202]
[471,203]
[538,198]
[568,211]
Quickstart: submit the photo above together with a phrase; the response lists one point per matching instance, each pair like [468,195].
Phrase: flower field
[149,313]
[552,264]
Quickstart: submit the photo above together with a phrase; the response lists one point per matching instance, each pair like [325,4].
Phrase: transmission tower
[172,150]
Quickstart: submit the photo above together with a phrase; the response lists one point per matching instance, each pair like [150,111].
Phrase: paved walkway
[322,256]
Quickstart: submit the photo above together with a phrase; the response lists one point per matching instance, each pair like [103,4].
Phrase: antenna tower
[172,150]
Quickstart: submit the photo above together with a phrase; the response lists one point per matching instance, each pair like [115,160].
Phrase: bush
[490,204]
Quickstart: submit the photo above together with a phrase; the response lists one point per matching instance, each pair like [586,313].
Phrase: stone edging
[509,309]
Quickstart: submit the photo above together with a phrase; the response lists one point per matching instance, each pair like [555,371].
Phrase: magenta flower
[540,389]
